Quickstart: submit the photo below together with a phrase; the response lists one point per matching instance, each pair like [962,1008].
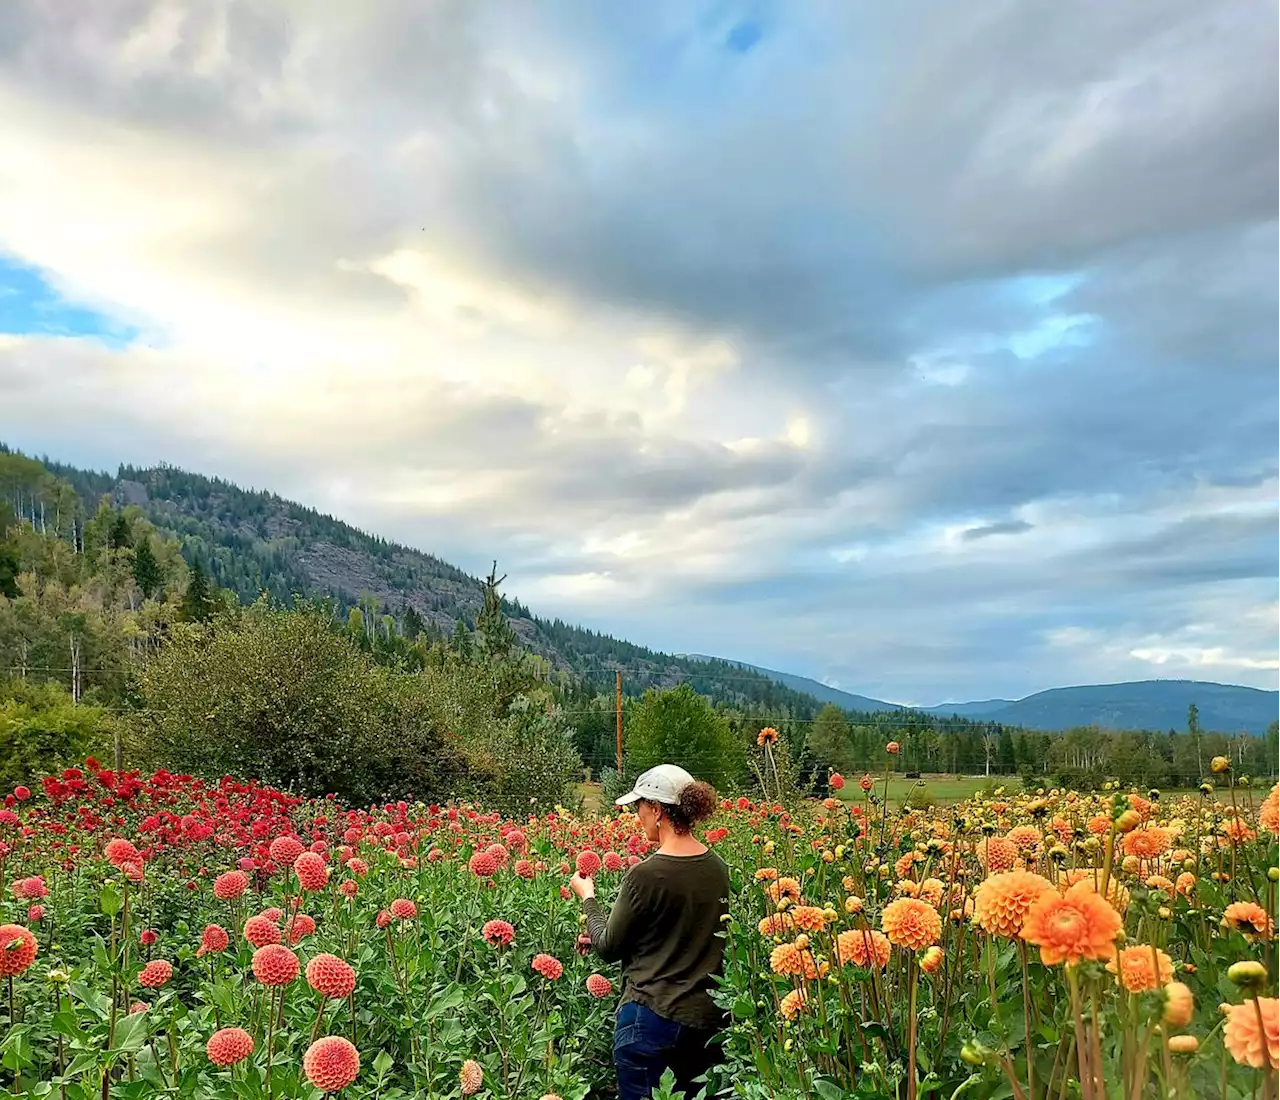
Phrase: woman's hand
[583,887]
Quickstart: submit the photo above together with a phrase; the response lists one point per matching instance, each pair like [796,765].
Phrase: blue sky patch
[31,306]
[743,37]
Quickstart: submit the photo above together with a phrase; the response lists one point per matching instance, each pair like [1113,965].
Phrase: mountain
[823,692]
[1144,704]
[252,542]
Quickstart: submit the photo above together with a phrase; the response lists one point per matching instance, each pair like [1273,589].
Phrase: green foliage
[147,574]
[42,731]
[8,571]
[198,603]
[829,741]
[681,727]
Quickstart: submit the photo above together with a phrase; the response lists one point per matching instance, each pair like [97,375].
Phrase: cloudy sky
[927,349]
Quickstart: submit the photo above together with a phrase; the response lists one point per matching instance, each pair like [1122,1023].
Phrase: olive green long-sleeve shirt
[665,930]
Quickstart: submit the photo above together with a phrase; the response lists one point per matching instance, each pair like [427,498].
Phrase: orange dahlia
[1141,969]
[777,924]
[911,923]
[1001,902]
[1117,894]
[768,736]
[156,973]
[785,887]
[787,960]
[1149,843]
[1179,1005]
[1247,917]
[863,947]
[931,960]
[1269,813]
[808,918]
[998,855]
[793,1004]
[1250,1041]
[1080,924]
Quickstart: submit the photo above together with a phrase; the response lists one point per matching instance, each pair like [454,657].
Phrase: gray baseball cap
[661,784]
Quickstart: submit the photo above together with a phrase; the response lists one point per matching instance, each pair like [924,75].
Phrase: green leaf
[111,899]
[744,1008]
[828,1090]
[131,1033]
[382,1063]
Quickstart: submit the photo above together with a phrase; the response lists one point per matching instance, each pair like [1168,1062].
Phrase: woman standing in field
[665,929]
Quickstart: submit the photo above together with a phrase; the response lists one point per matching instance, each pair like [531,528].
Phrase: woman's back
[675,946]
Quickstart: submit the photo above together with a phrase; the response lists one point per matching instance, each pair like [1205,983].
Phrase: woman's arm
[609,935]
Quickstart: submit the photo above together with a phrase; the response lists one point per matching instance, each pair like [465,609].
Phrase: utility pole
[619,709]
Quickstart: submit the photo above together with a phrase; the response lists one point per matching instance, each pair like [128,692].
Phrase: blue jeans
[644,1044]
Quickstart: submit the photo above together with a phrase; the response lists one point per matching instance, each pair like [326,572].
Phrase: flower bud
[1220,764]
[1183,1044]
[1248,974]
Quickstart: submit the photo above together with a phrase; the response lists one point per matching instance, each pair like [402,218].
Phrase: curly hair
[697,803]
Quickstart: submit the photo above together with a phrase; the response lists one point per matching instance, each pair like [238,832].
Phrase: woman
[665,928]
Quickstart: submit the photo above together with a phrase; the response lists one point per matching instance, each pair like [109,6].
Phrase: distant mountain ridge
[1140,704]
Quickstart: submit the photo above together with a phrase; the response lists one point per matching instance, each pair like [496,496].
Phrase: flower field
[167,936]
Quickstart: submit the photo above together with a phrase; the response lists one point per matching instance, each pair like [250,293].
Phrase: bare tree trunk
[75,667]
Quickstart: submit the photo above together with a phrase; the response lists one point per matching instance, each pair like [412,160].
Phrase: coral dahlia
[331,977]
[498,933]
[275,964]
[548,966]
[1252,1043]
[1141,969]
[229,1046]
[213,940]
[18,948]
[259,931]
[599,986]
[156,973]
[312,872]
[230,885]
[403,909]
[331,1063]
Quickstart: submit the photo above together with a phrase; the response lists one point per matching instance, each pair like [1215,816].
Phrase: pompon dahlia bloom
[777,924]
[613,862]
[331,1063]
[275,916]
[275,964]
[588,863]
[998,855]
[864,947]
[793,1004]
[1149,843]
[312,871]
[301,925]
[470,1077]
[260,930]
[213,940]
[285,850]
[808,918]
[155,974]
[1179,1005]
[1080,924]
[1249,1043]
[498,933]
[931,961]
[1247,917]
[1001,902]
[911,923]
[548,966]
[403,909]
[35,914]
[599,986]
[785,887]
[836,781]
[329,976]
[1269,812]
[482,865]
[1141,969]
[1086,878]
[18,949]
[231,885]
[30,889]
[121,851]
[229,1046]
[787,960]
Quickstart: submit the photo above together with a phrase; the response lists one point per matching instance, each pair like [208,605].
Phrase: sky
[925,349]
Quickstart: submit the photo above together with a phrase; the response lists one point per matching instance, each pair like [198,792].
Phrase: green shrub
[43,731]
